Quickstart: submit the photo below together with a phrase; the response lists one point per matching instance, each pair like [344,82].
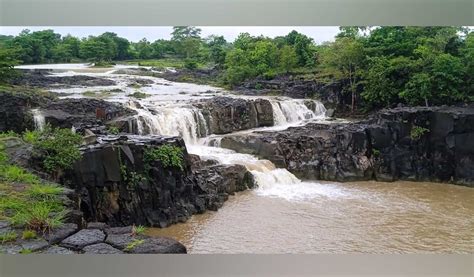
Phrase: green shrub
[168,155]
[417,132]
[113,130]
[28,234]
[138,230]
[60,148]
[139,95]
[8,236]
[31,136]
[190,64]
[375,152]
[9,134]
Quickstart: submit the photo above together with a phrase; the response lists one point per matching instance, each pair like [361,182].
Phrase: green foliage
[31,136]
[60,148]
[28,234]
[190,64]
[13,173]
[44,191]
[8,236]
[7,63]
[114,130]
[26,251]
[168,155]
[417,132]
[138,230]
[40,216]
[139,95]
[375,152]
[136,242]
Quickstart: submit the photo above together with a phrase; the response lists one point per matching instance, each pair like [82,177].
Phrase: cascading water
[171,120]
[38,119]
[295,110]
[189,123]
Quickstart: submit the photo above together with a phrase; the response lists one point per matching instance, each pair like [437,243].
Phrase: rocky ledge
[226,114]
[18,109]
[44,79]
[117,182]
[97,238]
[422,144]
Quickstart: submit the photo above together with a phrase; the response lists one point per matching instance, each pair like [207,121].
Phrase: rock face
[16,111]
[114,185]
[384,148]
[225,114]
[42,78]
[294,86]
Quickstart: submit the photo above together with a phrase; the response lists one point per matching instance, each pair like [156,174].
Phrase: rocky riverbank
[118,183]
[422,144]
[96,238]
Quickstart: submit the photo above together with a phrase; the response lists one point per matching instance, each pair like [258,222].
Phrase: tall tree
[343,60]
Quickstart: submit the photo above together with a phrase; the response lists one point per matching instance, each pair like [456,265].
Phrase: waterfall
[295,110]
[38,119]
[185,121]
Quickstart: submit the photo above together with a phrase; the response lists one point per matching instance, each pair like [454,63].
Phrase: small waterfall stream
[38,119]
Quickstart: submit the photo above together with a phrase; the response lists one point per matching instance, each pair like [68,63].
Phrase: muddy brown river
[360,217]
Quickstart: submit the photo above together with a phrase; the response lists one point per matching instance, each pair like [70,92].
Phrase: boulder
[58,234]
[159,245]
[83,238]
[57,250]
[101,248]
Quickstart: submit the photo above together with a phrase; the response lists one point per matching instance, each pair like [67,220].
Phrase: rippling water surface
[362,217]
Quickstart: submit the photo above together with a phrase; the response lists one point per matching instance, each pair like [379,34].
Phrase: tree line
[378,66]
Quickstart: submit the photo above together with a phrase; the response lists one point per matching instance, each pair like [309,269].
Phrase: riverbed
[285,214]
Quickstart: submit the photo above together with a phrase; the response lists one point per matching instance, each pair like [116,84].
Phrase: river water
[285,214]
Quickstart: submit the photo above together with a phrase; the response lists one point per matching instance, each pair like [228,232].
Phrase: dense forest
[383,66]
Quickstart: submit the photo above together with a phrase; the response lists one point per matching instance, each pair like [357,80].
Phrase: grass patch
[97,94]
[28,234]
[25,251]
[13,173]
[31,137]
[133,244]
[32,204]
[41,216]
[8,236]
[139,95]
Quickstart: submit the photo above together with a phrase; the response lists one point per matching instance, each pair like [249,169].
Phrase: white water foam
[38,119]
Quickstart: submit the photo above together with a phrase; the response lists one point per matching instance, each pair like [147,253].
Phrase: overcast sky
[319,34]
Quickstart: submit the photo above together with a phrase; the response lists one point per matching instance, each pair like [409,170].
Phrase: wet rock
[101,248]
[97,225]
[160,245]
[10,249]
[45,80]
[119,230]
[381,148]
[83,238]
[35,244]
[166,196]
[226,114]
[57,250]
[4,224]
[120,241]
[61,233]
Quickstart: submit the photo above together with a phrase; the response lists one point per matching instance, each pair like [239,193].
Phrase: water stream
[285,214]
